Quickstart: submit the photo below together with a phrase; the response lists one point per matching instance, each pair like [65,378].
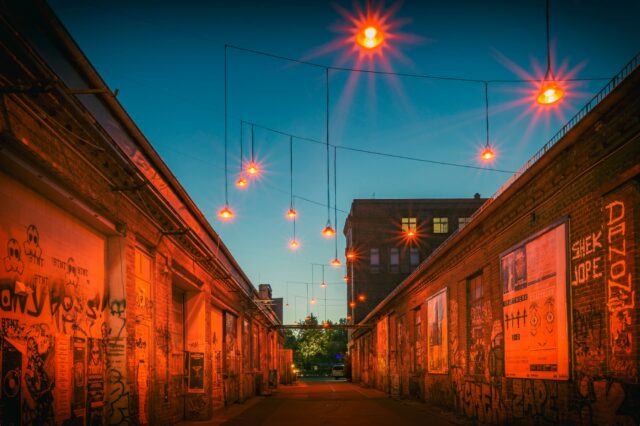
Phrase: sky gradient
[167,60]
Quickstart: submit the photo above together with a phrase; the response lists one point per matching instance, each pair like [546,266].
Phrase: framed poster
[534,296]
[437,333]
[196,372]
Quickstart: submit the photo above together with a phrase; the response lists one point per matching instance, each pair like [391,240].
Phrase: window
[408,224]
[477,325]
[394,260]
[414,257]
[462,222]
[374,256]
[440,225]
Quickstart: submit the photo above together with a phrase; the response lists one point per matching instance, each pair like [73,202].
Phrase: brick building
[387,239]
[119,303]
[528,313]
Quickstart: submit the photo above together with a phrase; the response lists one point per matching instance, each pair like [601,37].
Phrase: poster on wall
[534,293]
[196,372]
[437,332]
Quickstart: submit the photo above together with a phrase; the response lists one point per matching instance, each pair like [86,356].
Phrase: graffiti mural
[437,332]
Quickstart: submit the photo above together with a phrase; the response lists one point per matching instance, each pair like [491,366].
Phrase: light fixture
[313,301]
[323,284]
[411,233]
[294,244]
[351,255]
[362,297]
[325,324]
[226,213]
[336,262]
[291,213]
[488,153]
[241,182]
[346,278]
[370,36]
[348,317]
[328,231]
[352,304]
[550,91]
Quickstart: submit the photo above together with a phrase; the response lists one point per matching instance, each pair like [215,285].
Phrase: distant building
[387,239]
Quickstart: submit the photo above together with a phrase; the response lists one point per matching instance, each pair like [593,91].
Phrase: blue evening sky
[166,59]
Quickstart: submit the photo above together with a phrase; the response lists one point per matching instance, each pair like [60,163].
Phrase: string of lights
[378,153]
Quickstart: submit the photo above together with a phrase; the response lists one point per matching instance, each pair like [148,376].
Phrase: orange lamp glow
[362,298]
[328,231]
[292,213]
[323,284]
[294,244]
[325,324]
[336,262]
[411,233]
[370,37]
[242,182]
[348,317]
[346,278]
[550,93]
[487,154]
[351,255]
[252,169]
[226,213]
[313,301]
[352,304]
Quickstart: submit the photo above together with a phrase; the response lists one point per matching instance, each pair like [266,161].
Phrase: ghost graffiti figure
[13,261]
[32,244]
[39,404]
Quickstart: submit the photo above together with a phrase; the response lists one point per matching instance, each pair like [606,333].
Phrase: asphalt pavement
[331,402]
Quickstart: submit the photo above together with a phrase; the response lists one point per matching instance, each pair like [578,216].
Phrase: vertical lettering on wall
[619,278]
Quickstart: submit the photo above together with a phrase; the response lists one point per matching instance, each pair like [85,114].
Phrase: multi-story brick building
[529,313]
[388,238]
[119,303]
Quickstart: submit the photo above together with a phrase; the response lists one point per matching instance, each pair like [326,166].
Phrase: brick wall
[588,182]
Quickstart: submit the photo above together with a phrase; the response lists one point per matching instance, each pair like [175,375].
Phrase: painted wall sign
[196,372]
[437,333]
[534,285]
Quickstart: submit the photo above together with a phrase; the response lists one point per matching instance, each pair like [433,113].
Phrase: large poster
[437,332]
[534,293]
[196,372]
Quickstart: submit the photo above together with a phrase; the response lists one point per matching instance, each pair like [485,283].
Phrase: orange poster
[534,290]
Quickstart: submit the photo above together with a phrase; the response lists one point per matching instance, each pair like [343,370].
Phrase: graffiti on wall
[586,259]
[620,291]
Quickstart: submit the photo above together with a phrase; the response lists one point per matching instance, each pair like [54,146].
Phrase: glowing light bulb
[226,213]
[362,298]
[411,233]
[328,231]
[550,93]
[370,37]
[253,169]
[292,213]
[294,244]
[325,324]
[313,300]
[336,262]
[346,278]
[351,255]
[348,317]
[242,182]
[323,284]
[352,304]
[487,154]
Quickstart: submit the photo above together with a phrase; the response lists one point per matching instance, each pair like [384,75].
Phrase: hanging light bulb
[226,213]
[487,153]
[313,301]
[362,298]
[286,305]
[323,284]
[242,182]
[294,244]
[325,324]
[352,304]
[348,317]
[351,255]
[550,91]
[328,231]
[370,36]
[346,278]
[252,168]
[292,213]
[336,262]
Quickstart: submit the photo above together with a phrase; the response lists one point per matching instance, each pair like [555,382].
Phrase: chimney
[264,290]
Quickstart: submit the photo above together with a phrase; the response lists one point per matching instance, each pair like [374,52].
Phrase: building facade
[119,303]
[529,313]
[388,238]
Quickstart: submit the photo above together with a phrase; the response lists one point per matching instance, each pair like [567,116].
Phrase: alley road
[335,403]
